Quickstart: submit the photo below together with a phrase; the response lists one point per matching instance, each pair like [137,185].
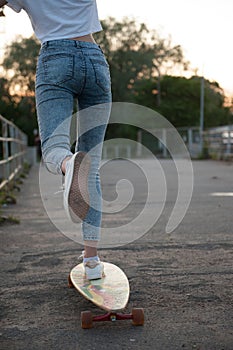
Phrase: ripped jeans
[69,71]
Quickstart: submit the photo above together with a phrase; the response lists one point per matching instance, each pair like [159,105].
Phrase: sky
[203,28]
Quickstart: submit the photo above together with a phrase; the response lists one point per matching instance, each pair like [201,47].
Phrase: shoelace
[81,257]
[62,188]
[92,264]
[59,191]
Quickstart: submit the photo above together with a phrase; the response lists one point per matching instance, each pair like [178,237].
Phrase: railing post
[6,170]
[13,163]
[13,149]
[228,147]
[164,138]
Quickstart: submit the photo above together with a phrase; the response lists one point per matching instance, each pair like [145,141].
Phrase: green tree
[17,100]
[7,106]
[180,102]
[135,53]
[20,65]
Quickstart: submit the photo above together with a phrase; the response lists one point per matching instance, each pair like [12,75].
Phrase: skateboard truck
[110,293]
[137,317]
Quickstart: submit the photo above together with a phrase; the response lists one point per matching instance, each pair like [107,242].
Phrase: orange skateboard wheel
[138,317]
[86,319]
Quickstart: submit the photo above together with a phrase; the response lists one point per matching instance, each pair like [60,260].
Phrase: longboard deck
[110,293]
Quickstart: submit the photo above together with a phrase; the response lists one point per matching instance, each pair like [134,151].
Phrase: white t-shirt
[60,19]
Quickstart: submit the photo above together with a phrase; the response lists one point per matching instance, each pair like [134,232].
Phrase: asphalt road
[183,280]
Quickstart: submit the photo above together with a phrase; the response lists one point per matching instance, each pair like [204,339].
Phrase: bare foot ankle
[63,165]
[90,249]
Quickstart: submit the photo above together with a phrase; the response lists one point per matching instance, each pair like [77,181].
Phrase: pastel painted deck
[110,293]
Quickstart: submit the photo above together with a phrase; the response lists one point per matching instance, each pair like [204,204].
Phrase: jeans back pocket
[58,67]
[102,74]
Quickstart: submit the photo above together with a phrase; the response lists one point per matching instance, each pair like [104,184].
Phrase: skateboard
[110,293]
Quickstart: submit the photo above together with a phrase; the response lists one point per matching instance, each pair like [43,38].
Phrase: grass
[9,220]
[7,196]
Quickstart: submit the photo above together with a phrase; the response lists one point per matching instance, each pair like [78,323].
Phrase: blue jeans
[69,71]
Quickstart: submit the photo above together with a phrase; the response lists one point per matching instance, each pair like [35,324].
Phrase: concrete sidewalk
[184,280]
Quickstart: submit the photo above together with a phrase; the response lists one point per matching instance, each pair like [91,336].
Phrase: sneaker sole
[78,198]
[95,276]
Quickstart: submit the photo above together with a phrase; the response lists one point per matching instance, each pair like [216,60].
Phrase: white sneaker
[76,197]
[93,269]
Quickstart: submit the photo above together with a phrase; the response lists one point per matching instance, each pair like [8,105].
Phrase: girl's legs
[68,69]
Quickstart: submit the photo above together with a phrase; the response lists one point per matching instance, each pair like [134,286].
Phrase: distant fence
[126,148]
[219,142]
[13,148]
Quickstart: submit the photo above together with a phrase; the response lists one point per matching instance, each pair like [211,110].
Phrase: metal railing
[13,147]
